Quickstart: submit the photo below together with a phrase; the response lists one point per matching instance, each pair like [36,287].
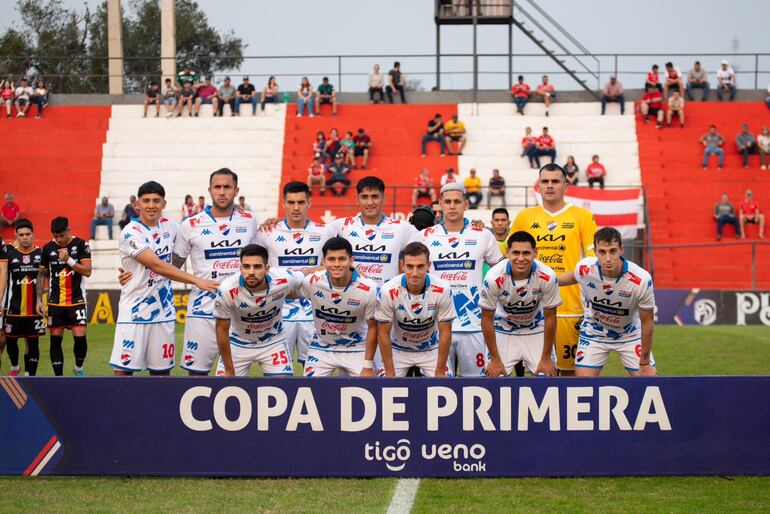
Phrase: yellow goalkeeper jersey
[563,239]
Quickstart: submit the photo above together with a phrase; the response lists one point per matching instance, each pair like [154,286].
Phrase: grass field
[678,351]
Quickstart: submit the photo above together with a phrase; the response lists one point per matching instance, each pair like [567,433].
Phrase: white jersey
[518,306]
[375,247]
[294,249]
[212,245]
[255,318]
[612,305]
[340,314]
[147,297]
[414,318]
[457,258]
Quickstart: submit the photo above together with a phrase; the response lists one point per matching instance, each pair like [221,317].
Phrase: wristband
[645,364]
[71,262]
[368,364]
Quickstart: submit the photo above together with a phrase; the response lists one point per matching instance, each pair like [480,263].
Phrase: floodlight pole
[167,40]
[114,48]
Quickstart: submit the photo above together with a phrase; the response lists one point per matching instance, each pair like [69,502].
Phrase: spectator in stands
[520,94]
[653,79]
[188,207]
[746,143]
[652,104]
[201,205]
[501,223]
[435,133]
[725,81]
[247,93]
[23,95]
[546,146]
[316,175]
[675,108]
[473,187]
[333,145]
[304,98]
[455,133]
[529,147]
[170,98]
[763,144]
[697,79]
[674,80]
[363,145]
[547,92]
[749,213]
[226,96]
[572,170]
[423,187]
[339,175]
[129,211]
[187,76]
[347,147]
[207,94]
[613,92]
[724,214]
[376,85]
[319,146]
[269,94]
[449,177]
[242,205]
[186,97]
[10,211]
[40,97]
[712,143]
[326,95]
[103,215]
[396,82]
[595,173]
[6,95]
[152,96]
[496,188]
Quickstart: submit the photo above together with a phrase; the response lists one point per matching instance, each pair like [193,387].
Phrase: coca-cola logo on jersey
[370,269]
[227,264]
[460,276]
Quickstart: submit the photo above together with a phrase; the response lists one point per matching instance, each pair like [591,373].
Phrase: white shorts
[298,335]
[470,352]
[200,345]
[524,348]
[140,346]
[426,361]
[320,363]
[593,354]
[274,360]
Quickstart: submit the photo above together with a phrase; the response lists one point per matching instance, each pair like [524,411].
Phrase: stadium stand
[681,197]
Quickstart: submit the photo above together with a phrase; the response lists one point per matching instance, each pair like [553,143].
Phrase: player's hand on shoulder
[207,285]
[268,225]
[478,224]
[124,277]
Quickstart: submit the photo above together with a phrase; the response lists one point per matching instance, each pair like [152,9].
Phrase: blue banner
[385,427]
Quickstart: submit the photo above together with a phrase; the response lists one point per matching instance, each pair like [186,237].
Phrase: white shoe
[311,114]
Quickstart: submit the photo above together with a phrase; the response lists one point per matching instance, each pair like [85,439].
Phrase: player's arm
[546,364]
[83,267]
[3,279]
[444,344]
[223,343]
[648,324]
[152,262]
[41,285]
[177,261]
[588,228]
[386,348]
[371,348]
[567,279]
[495,367]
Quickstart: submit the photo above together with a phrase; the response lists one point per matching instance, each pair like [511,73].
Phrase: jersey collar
[286,222]
[207,210]
[137,220]
[354,278]
[560,211]
[509,270]
[622,271]
[242,283]
[361,219]
[465,225]
[424,287]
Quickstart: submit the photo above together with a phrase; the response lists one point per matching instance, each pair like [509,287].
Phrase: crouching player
[519,297]
[619,309]
[414,317]
[248,313]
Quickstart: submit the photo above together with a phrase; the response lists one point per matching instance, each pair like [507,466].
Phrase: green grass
[678,351]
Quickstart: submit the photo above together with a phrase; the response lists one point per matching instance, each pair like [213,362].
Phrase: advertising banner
[705,307]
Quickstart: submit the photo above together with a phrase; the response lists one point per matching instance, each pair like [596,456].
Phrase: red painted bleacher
[681,197]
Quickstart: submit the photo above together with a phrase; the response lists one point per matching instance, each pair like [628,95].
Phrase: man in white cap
[725,81]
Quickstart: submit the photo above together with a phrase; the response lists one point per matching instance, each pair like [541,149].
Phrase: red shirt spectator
[749,208]
[655,98]
[653,77]
[520,90]
[206,91]
[545,141]
[362,139]
[546,88]
[595,170]
[9,212]
[316,169]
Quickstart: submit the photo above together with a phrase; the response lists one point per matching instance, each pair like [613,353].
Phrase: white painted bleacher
[181,153]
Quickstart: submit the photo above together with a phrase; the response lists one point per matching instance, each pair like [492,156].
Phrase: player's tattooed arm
[41,285]
[495,368]
[178,261]
[647,319]
[386,348]
[546,364]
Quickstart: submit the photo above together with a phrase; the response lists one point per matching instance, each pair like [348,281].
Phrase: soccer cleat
[79,372]
[13,372]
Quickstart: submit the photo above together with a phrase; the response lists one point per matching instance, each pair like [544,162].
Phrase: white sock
[14,368]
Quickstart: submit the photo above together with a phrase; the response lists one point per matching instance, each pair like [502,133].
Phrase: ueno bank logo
[395,457]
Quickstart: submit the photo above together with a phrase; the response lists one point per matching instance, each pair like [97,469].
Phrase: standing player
[620,309]
[519,298]
[343,302]
[144,335]
[248,316]
[564,235]
[65,261]
[19,265]
[212,240]
[295,243]
[457,252]
[414,316]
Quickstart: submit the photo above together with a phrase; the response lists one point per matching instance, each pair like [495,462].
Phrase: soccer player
[248,316]
[518,299]
[343,303]
[295,243]
[564,235]
[620,309]
[19,265]
[65,260]
[414,317]
[212,240]
[144,335]
[501,224]
[457,252]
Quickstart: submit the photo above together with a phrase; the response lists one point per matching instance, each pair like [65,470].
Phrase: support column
[114,47]
[167,40]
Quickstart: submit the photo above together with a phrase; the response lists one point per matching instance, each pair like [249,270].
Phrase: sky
[399,28]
